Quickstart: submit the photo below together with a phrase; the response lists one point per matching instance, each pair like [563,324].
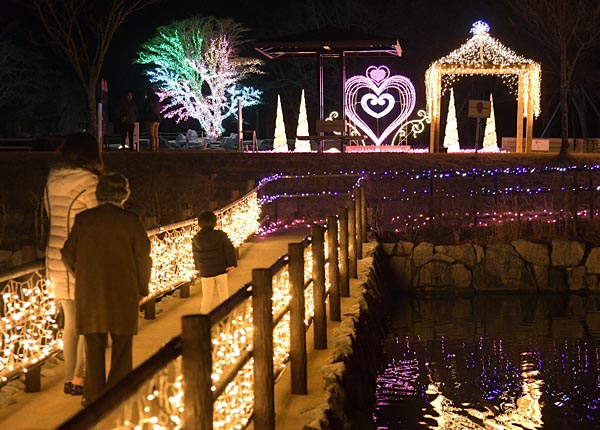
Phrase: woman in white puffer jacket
[70,189]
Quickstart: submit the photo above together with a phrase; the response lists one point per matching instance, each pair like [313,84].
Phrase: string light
[29,330]
[378,94]
[484,55]
[28,326]
[184,64]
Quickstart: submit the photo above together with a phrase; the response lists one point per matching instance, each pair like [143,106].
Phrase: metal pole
[240,127]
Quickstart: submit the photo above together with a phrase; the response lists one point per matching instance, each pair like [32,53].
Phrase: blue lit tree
[196,67]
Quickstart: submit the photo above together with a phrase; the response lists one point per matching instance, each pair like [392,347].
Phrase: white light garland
[484,55]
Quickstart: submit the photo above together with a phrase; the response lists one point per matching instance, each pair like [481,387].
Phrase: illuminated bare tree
[197,68]
[82,30]
[568,29]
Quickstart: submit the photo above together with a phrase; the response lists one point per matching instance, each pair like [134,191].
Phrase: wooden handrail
[91,415]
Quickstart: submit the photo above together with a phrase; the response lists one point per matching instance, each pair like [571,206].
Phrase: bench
[331,127]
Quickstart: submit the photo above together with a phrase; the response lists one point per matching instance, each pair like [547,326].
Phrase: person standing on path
[70,189]
[127,116]
[151,116]
[109,252]
[214,258]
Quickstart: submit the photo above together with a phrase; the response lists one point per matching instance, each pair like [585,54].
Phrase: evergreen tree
[490,139]
[451,141]
[302,128]
[280,142]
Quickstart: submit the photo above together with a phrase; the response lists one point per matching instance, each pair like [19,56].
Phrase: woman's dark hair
[81,150]
[207,219]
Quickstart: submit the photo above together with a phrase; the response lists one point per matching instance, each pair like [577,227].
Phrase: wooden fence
[220,372]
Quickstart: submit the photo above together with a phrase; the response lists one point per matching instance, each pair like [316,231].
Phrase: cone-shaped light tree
[451,141]
[302,128]
[490,139]
[280,142]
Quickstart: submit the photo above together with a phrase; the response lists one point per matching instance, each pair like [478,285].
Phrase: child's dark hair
[207,219]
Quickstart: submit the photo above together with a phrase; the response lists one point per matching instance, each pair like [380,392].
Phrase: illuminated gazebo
[484,55]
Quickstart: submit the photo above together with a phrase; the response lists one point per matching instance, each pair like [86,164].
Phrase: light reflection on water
[492,362]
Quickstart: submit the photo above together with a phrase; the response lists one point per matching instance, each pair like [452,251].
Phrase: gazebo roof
[328,41]
[484,55]
[483,49]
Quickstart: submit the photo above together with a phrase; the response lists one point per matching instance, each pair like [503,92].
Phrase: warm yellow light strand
[484,55]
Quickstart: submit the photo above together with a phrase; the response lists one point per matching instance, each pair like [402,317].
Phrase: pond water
[491,362]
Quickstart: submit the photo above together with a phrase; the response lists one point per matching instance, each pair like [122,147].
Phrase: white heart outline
[380,100]
[406,93]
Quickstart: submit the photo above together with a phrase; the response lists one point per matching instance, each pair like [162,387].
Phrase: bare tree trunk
[92,125]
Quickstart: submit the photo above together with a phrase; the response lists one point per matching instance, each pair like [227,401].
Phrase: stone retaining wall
[349,381]
[521,266]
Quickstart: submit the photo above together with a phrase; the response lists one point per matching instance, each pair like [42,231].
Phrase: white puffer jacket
[69,191]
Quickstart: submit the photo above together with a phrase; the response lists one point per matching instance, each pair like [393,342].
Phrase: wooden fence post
[352,263]
[358,208]
[344,278]
[335,313]
[33,379]
[298,360]
[150,309]
[264,396]
[197,370]
[318,274]
[184,290]
[363,207]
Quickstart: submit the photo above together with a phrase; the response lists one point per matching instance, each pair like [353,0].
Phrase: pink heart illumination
[378,89]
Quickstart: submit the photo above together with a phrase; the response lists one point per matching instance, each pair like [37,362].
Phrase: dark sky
[426,29]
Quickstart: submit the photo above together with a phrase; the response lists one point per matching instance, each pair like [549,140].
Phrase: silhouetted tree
[82,30]
[567,28]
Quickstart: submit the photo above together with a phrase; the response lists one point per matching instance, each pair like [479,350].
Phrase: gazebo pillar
[321,89]
[434,128]
[520,115]
[529,129]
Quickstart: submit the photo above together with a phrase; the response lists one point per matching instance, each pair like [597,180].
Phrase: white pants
[209,285]
[73,344]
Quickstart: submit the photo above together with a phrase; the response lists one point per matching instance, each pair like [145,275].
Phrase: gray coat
[109,251]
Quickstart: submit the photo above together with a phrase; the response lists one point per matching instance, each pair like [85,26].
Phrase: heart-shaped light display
[378,95]
[386,100]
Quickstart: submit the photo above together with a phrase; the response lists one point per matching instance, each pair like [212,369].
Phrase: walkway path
[49,408]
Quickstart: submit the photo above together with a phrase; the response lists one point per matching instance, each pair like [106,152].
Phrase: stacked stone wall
[520,266]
